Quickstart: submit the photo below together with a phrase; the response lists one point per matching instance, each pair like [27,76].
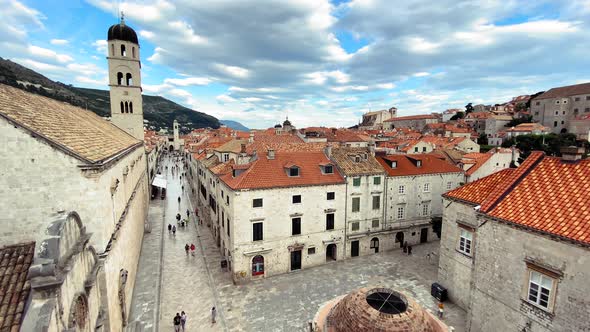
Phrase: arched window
[130,107]
[257,265]
[375,244]
[133,52]
[123,52]
[126,107]
[122,107]
[129,79]
[119,78]
[113,49]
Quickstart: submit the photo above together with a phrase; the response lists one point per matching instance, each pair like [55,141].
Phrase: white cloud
[188,81]
[225,99]
[100,45]
[49,54]
[421,74]
[59,42]
[234,71]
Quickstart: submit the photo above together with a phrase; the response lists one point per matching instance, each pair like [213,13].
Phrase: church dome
[287,123]
[122,31]
[278,125]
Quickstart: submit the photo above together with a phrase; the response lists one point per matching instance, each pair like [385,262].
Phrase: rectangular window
[587,97]
[329,221]
[416,149]
[330,196]
[540,287]
[225,157]
[538,103]
[425,209]
[257,202]
[577,99]
[375,223]
[296,199]
[328,169]
[227,200]
[311,251]
[400,212]
[376,202]
[295,226]
[449,185]
[356,182]
[356,204]
[377,180]
[355,226]
[294,171]
[401,189]
[465,240]
[228,227]
[423,149]
[427,187]
[257,231]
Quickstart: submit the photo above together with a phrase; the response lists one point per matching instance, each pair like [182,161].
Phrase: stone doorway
[399,237]
[331,252]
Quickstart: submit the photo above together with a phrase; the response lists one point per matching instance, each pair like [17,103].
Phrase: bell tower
[125,79]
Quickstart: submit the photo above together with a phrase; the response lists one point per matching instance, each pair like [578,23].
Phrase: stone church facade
[76,187]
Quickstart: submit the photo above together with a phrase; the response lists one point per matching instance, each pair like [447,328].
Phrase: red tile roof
[265,173]
[477,158]
[566,91]
[15,261]
[544,194]
[477,191]
[407,165]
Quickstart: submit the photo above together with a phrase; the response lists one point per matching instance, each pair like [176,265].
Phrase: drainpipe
[345,215]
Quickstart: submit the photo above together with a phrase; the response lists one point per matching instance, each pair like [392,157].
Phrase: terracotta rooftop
[544,194]
[234,145]
[566,91]
[408,164]
[412,117]
[77,131]
[15,261]
[479,159]
[345,159]
[265,173]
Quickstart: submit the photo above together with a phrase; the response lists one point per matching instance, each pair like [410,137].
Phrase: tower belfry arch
[125,79]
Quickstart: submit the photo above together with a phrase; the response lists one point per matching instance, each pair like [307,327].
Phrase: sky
[318,62]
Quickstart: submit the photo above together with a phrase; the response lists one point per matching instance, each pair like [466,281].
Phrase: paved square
[170,281]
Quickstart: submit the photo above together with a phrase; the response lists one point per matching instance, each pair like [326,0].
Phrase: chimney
[328,151]
[251,139]
[243,148]
[571,153]
[270,154]
[372,148]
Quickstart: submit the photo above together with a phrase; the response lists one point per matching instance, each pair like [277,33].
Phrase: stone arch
[126,107]
[119,78]
[112,49]
[122,107]
[78,317]
[123,51]
[129,79]
[133,52]
[131,107]
[258,265]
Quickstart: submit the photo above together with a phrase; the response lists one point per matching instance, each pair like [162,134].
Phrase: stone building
[58,158]
[374,120]
[557,107]
[364,192]
[416,122]
[515,246]
[412,195]
[281,212]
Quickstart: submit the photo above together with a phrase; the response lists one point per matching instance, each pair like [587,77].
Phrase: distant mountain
[158,111]
[234,125]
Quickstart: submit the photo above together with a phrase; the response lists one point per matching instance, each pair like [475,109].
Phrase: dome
[278,125]
[122,32]
[287,123]
[379,310]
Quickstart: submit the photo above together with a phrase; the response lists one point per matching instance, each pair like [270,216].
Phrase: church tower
[125,79]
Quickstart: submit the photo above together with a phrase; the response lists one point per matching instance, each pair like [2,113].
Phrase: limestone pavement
[281,303]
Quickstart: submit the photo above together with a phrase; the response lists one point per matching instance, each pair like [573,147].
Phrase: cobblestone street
[170,281]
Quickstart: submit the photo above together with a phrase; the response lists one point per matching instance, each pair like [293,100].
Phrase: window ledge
[537,309]
[464,254]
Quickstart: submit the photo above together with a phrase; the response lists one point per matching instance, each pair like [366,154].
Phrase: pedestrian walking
[187,213]
[176,322]
[193,248]
[178,199]
[182,188]
[169,228]
[186,248]
[174,230]
[183,319]
[441,310]
[213,314]
[409,250]
[405,247]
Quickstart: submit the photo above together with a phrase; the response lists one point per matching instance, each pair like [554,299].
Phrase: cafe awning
[159,181]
